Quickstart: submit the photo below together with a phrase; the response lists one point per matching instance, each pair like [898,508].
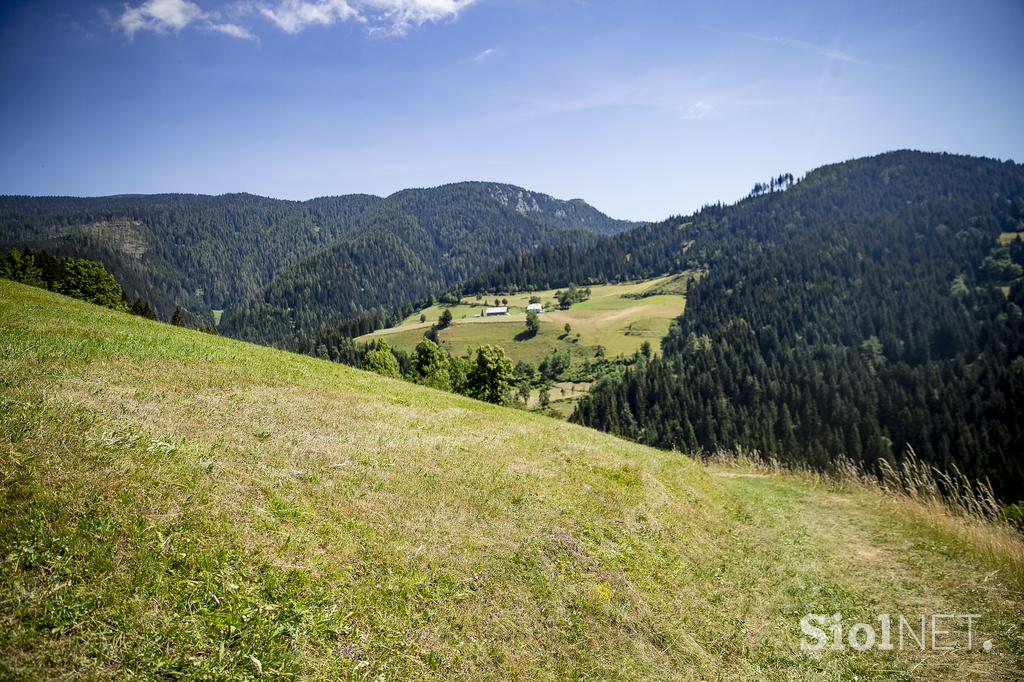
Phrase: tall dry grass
[923,482]
[948,505]
[910,477]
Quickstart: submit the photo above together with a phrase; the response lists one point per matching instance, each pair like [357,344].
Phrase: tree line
[78,278]
[81,278]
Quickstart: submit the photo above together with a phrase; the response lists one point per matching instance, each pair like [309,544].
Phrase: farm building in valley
[497,310]
[535,308]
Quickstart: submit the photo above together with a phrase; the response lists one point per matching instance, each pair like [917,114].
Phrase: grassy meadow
[613,317]
[183,506]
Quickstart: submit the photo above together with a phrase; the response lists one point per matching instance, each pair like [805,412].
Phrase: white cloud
[381,17]
[697,110]
[160,16]
[292,16]
[233,30]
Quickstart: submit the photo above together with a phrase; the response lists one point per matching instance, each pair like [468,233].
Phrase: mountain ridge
[210,252]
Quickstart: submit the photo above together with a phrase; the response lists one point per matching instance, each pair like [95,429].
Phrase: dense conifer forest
[875,304]
[206,253]
[197,252]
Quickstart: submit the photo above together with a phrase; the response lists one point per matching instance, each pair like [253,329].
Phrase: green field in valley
[563,396]
[183,506]
[614,317]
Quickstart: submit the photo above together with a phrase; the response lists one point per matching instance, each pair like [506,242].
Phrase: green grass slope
[176,505]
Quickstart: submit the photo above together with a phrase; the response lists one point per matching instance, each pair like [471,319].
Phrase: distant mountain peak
[520,200]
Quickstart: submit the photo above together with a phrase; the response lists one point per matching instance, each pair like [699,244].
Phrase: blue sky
[643,108]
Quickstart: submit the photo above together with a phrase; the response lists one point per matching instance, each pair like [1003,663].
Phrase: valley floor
[618,318]
[186,506]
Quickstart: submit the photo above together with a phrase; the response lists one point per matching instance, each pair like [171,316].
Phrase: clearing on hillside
[617,317]
[179,505]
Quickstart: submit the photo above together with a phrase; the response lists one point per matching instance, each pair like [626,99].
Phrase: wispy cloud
[697,110]
[233,30]
[666,97]
[822,50]
[485,54]
[831,53]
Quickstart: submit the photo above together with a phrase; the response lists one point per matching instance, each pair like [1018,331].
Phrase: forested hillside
[414,245]
[208,253]
[199,252]
[876,303]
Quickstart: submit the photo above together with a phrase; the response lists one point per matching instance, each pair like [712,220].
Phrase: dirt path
[833,552]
